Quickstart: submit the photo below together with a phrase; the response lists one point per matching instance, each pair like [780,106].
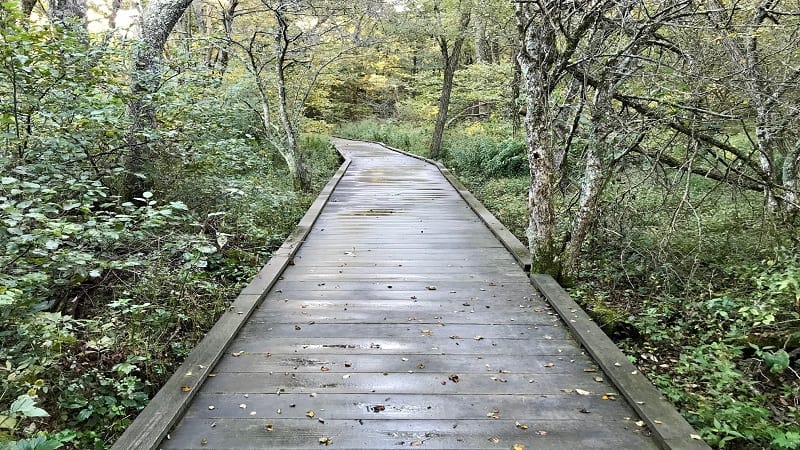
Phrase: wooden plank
[166,407]
[389,383]
[375,434]
[489,364]
[256,330]
[413,314]
[669,427]
[402,346]
[525,408]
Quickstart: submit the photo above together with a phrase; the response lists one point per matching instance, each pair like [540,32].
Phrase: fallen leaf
[453,377]
[268,426]
[567,390]
[584,411]
[640,423]
[211,407]
[426,332]
[324,369]
[416,443]
[204,441]
[590,370]
[582,392]
[348,364]
[542,433]
[495,414]
[346,376]
[696,437]
[243,406]
[518,447]
[297,328]
[378,408]
[237,353]
[420,366]
[310,414]
[599,379]
[455,337]
[521,426]
[494,439]
[657,422]
[430,288]
[478,338]
[325,440]
[186,388]
[253,413]
[549,364]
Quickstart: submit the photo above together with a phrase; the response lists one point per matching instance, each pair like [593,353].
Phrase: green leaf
[38,443]
[25,405]
[778,361]
[7,423]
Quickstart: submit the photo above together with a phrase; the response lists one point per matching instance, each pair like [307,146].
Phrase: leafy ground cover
[696,290]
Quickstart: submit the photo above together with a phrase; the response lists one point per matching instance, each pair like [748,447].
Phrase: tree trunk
[595,175]
[513,108]
[536,58]
[450,58]
[291,152]
[483,49]
[66,11]
[27,7]
[228,14]
[158,20]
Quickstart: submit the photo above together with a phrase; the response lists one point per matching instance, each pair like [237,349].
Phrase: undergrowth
[102,298]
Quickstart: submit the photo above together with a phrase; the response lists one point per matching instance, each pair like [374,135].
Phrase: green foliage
[488,157]
[413,138]
[100,299]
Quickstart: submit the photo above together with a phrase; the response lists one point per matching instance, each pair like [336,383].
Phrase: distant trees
[286,52]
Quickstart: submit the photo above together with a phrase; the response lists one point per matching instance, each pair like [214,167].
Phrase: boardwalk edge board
[162,412]
[670,429]
[509,241]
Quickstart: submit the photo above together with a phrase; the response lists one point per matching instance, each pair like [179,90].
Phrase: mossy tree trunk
[160,17]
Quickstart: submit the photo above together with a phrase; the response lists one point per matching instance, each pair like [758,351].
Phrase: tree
[450,45]
[584,56]
[160,17]
[64,11]
[285,56]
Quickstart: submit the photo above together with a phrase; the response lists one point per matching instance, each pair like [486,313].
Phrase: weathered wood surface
[403,322]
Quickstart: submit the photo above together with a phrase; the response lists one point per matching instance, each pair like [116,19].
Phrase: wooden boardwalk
[404,322]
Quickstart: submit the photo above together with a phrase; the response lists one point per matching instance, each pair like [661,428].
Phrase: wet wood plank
[402,298]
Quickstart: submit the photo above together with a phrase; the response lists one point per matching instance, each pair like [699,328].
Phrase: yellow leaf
[186,388]
[310,414]
[518,447]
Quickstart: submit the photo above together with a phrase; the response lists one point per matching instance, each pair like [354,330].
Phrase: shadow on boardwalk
[404,322]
